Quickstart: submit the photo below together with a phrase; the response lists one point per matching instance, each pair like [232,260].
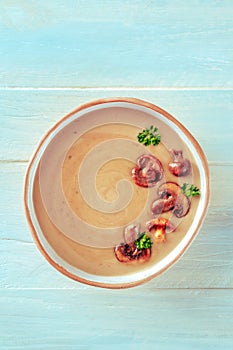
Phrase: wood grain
[207,115]
[193,319]
[116,43]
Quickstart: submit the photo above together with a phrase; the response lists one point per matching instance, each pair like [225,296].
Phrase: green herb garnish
[143,241]
[190,190]
[149,136]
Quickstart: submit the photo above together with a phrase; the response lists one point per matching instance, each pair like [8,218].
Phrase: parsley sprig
[149,136]
[190,190]
[143,241]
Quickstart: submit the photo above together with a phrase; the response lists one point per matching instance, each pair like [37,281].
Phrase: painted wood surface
[55,55]
[116,43]
[207,114]
[173,319]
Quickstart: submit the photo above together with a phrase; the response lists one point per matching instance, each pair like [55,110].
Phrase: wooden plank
[26,118]
[99,319]
[207,264]
[116,43]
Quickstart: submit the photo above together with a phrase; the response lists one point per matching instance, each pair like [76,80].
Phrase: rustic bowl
[63,221]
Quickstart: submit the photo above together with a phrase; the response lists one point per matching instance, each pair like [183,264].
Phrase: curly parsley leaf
[190,190]
[149,136]
[143,241]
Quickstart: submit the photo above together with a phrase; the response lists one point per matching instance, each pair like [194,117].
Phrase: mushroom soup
[88,198]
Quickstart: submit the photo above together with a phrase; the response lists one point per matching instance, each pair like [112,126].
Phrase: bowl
[82,196]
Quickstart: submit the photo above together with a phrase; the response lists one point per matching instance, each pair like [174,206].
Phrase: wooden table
[55,55]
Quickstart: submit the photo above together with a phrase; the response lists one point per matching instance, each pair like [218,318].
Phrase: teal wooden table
[55,55]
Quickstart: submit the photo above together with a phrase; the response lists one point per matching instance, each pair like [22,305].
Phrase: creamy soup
[84,201]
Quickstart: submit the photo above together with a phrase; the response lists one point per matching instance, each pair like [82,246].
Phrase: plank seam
[117,88]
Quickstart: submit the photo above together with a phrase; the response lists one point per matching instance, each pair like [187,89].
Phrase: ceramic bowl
[80,195]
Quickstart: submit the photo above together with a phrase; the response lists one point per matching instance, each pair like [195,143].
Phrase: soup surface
[84,195]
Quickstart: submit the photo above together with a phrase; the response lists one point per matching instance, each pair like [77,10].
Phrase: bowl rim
[82,107]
